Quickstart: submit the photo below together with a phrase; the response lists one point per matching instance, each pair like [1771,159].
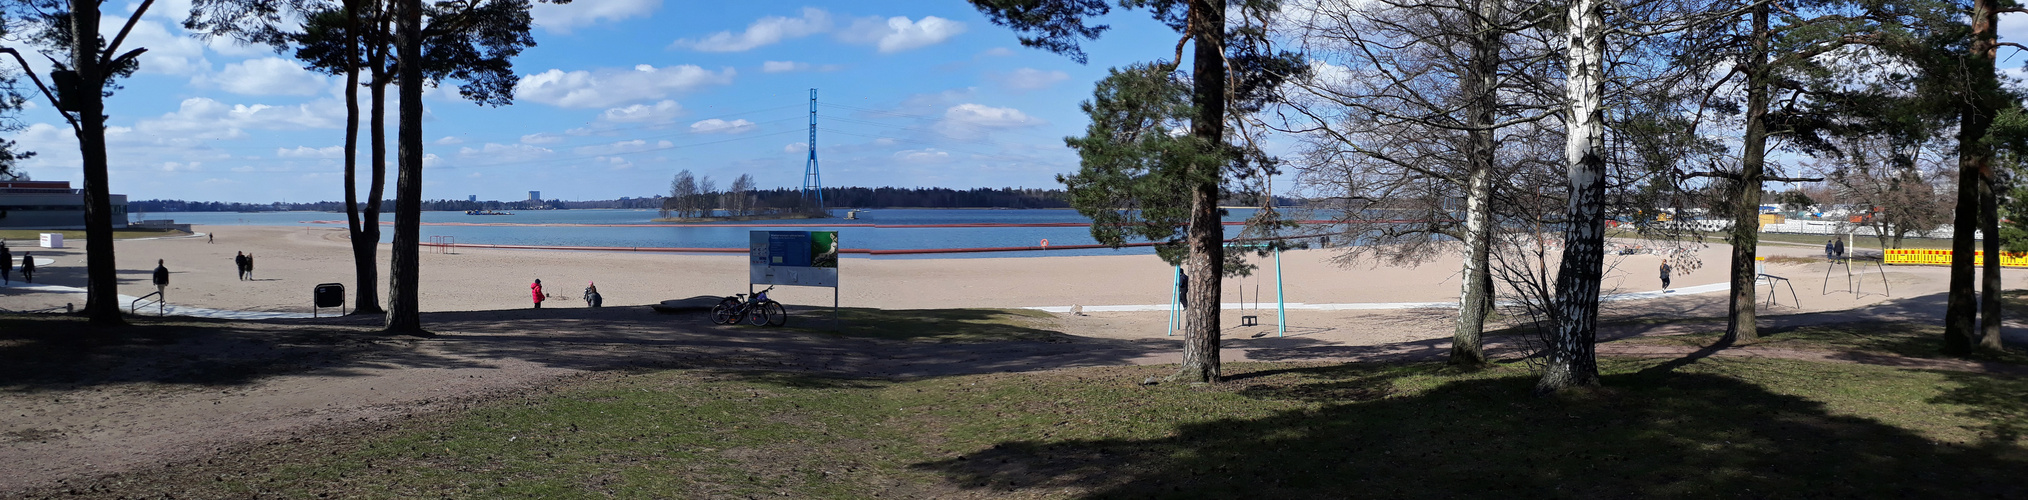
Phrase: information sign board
[796,258]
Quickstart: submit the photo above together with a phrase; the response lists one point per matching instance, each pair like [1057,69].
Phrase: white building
[49,205]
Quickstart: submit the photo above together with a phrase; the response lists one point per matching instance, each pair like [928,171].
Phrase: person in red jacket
[536,291]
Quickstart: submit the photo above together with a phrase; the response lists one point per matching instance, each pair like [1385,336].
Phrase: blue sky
[616,98]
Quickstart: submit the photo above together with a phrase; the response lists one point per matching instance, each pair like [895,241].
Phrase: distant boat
[486,212]
[853,214]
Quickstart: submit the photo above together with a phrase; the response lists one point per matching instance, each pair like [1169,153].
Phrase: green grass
[1713,427]
[1898,338]
[78,235]
[929,325]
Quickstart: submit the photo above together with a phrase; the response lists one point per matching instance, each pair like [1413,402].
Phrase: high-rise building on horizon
[534,196]
[471,197]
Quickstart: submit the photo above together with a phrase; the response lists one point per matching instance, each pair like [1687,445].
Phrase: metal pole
[1281,303]
[1175,286]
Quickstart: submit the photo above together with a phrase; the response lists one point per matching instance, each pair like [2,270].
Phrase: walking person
[1838,249]
[1665,275]
[249,267]
[207,238]
[6,264]
[239,261]
[28,267]
[161,281]
[1831,249]
[535,291]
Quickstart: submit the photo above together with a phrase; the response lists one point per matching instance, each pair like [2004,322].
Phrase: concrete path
[169,309]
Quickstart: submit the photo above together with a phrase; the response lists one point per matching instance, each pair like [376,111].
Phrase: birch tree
[1413,117]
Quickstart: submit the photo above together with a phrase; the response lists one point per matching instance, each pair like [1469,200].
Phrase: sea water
[878,229]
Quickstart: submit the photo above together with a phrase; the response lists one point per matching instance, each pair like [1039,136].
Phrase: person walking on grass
[161,281]
[239,261]
[1665,275]
[28,267]
[6,264]
[535,291]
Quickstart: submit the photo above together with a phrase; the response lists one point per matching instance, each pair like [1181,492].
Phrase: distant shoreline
[736,218]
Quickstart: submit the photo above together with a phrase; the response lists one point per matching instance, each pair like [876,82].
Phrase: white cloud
[622,147]
[997,52]
[660,112]
[265,76]
[972,121]
[616,163]
[562,18]
[610,87]
[168,53]
[450,140]
[927,155]
[497,153]
[201,118]
[717,126]
[172,166]
[884,141]
[896,34]
[796,147]
[783,66]
[1030,78]
[541,138]
[310,152]
[766,31]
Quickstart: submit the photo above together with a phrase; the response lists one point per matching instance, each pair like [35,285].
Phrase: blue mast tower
[813,187]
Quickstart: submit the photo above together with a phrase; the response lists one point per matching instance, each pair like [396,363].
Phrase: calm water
[633,228]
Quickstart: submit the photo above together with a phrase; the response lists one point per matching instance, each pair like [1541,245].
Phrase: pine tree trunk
[102,282]
[376,190]
[365,272]
[1975,117]
[1741,318]
[1572,357]
[404,309]
[1984,45]
[1480,84]
[1206,236]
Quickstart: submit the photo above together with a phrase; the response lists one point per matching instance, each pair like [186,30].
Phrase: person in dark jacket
[1838,249]
[535,291]
[28,267]
[1665,275]
[591,295]
[249,267]
[6,264]
[239,261]
[161,280]
[1831,249]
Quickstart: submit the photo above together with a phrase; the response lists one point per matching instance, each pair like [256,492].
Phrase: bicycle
[761,311]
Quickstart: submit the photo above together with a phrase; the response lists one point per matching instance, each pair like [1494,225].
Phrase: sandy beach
[491,342]
[291,261]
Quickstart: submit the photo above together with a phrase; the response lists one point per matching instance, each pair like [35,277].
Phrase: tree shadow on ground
[64,352]
[1656,434]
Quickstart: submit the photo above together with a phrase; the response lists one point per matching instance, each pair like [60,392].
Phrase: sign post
[794,258]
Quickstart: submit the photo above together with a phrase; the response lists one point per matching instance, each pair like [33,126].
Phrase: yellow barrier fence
[1943,258]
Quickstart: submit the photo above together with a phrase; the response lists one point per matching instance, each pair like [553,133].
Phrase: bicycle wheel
[757,314]
[725,313]
[777,315]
